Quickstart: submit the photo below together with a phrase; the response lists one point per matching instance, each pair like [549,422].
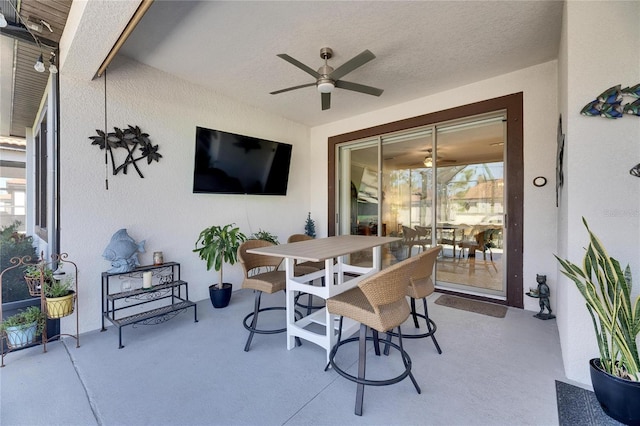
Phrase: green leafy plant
[35,271]
[25,319]
[265,236]
[606,290]
[14,244]
[217,245]
[58,288]
[310,226]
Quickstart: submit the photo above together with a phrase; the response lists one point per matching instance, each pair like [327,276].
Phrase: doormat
[577,406]
[470,305]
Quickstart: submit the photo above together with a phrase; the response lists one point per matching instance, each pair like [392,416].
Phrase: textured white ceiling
[421,47]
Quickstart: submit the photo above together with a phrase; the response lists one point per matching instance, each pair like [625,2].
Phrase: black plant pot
[220,297]
[619,398]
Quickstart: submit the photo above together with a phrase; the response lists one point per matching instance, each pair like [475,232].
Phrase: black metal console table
[123,303]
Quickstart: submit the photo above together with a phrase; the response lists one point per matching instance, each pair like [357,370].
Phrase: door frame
[512,104]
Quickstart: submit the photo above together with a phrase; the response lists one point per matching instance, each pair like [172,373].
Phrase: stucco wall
[161,208]
[599,153]
[538,84]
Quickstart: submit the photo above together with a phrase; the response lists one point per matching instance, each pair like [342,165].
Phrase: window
[41,180]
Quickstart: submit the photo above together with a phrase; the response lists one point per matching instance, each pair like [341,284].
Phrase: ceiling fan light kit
[328,78]
[325,86]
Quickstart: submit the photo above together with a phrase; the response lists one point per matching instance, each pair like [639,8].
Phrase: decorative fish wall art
[609,103]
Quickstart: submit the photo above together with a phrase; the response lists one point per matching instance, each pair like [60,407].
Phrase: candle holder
[158,258]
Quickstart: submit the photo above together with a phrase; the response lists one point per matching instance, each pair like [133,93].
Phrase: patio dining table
[339,276]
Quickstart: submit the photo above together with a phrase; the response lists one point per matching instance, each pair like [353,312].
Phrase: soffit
[27,86]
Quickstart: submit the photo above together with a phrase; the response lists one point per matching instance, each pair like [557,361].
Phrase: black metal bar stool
[379,303]
[268,282]
[420,287]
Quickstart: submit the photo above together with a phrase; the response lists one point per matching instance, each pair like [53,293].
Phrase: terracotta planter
[619,398]
[58,307]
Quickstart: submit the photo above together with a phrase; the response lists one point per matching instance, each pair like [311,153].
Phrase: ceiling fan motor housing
[326,53]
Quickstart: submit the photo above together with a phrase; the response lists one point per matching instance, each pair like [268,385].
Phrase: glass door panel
[407,187]
[470,206]
[359,193]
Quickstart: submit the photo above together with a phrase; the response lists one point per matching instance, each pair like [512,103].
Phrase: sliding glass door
[442,184]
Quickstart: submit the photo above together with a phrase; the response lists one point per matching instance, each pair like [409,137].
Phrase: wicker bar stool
[303,269]
[271,281]
[379,303]
[420,287]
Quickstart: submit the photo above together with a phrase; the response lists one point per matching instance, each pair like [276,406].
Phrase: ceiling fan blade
[352,64]
[326,101]
[292,88]
[299,64]
[359,88]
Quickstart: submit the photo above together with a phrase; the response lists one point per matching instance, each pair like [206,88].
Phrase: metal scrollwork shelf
[43,276]
[125,305]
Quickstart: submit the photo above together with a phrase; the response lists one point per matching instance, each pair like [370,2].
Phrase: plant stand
[124,305]
[58,262]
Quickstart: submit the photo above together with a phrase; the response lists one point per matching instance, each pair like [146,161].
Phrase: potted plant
[606,289]
[60,297]
[217,245]
[22,328]
[35,275]
[310,226]
[265,236]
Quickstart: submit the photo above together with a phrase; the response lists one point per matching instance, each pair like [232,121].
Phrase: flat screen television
[227,163]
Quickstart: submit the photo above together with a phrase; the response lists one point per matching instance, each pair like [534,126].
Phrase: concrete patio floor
[493,371]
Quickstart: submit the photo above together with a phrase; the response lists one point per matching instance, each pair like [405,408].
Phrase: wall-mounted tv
[227,163]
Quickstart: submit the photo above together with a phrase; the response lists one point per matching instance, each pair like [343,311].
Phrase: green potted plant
[218,245]
[265,236]
[60,297]
[22,328]
[35,275]
[310,226]
[606,289]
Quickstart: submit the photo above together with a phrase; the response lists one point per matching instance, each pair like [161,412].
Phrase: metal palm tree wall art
[131,139]
[609,103]
[136,143]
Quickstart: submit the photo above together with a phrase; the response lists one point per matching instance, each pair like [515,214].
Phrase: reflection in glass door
[407,190]
[359,193]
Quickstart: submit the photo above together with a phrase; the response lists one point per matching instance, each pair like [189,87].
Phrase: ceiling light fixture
[39,66]
[3,21]
[428,162]
[325,86]
[53,69]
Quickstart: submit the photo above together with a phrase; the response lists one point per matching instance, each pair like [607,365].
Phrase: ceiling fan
[328,78]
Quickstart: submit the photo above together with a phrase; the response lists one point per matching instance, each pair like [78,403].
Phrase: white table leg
[291,308]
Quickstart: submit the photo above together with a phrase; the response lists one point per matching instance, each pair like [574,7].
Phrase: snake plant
[606,290]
